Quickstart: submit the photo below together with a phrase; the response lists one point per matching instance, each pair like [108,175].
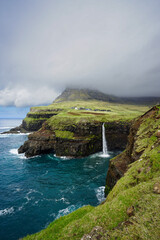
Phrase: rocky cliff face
[86,139]
[38,143]
[74,127]
[147,126]
[131,209]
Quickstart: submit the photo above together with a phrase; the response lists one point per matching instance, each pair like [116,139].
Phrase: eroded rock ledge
[76,140]
[135,147]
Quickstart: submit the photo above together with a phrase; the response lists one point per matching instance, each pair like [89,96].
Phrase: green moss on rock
[64,134]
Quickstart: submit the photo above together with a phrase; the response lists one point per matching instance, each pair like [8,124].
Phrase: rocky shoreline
[86,139]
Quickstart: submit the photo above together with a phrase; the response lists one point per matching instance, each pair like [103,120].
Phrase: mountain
[74,94]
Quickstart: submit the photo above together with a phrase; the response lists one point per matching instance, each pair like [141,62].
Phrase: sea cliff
[74,128]
[79,140]
[131,209]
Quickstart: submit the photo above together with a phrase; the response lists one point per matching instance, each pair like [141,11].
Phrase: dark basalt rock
[117,134]
[87,140]
[119,165]
[38,143]
[42,115]
[33,126]
[16,130]
[76,147]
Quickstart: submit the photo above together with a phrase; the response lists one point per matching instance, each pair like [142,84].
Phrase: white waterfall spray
[104,142]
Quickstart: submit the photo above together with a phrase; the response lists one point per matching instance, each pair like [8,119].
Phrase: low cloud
[23,97]
[106,45]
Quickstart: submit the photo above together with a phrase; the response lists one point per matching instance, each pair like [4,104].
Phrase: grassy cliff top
[69,113]
[83,105]
[131,210]
[87,104]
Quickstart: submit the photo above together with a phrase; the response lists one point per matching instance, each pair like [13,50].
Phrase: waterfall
[105,150]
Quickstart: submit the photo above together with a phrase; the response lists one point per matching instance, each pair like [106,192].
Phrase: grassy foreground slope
[132,207]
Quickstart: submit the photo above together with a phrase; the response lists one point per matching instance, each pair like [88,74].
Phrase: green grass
[64,134]
[111,216]
[32,121]
[135,188]
[92,104]
[42,113]
[67,115]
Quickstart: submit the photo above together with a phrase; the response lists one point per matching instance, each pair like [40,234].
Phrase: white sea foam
[67,210]
[20,208]
[95,155]
[62,200]
[45,173]
[52,215]
[18,189]
[6,211]
[4,135]
[104,155]
[29,196]
[100,154]
[100,194]
[14,151]
[15,134]
[62,157]
[12,134]
[6,127]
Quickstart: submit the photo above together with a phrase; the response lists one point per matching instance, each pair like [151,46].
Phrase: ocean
[38,190]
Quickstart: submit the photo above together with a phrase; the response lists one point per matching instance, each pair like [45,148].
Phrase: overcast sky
[47,45]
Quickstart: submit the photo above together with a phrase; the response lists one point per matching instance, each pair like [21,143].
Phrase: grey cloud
[49,45]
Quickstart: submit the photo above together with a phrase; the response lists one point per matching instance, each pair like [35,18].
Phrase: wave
[68,210]
[6,211]
[6,127]
[44,174]
[64,200]
[6,135]
[14,134]
[14,151]
[100,194]
[63,157]
[3,135]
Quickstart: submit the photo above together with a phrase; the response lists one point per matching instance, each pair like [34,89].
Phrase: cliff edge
[72,125]
[131,210]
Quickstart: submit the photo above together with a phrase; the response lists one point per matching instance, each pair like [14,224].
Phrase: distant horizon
[13,112]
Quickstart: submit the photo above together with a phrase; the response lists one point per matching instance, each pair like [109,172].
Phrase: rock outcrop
[16,130]
[135,147]
[86,139]
[38,143]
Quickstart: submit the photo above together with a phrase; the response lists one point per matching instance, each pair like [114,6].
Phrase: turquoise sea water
[36,191]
